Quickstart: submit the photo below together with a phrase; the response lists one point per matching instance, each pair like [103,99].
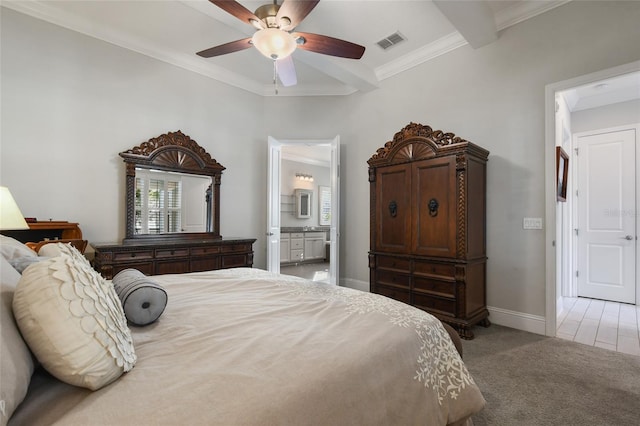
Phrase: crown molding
[504,18]
[426,53]
[522,11]
[40,10]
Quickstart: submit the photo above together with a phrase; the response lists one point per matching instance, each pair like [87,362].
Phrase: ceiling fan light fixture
[274,43]
[258,24]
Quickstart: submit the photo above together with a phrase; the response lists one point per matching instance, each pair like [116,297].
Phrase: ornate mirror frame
[175,152]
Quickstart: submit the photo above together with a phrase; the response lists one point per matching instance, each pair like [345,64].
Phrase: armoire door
[393,208]
[434,207]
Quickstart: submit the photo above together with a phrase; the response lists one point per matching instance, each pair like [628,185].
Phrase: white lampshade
[274,43]
[10,215]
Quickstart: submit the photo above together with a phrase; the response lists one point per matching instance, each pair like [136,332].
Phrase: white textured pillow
[60,249]
[50,250]
[72,320]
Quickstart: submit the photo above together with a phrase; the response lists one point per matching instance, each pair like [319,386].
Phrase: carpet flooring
[528,379]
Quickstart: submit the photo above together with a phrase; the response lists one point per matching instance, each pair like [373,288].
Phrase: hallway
[609,325]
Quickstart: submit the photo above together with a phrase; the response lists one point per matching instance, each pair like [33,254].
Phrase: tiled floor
[609,325]
[310,271]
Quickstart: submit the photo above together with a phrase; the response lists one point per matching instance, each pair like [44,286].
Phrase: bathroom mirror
[172,183]
[303,203]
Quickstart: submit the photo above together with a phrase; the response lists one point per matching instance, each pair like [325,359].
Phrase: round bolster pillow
[143,300]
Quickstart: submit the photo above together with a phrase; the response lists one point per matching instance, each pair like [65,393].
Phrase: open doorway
[303,210]
[562,270]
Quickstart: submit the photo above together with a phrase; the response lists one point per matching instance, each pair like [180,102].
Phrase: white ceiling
[173,31]
[623,88]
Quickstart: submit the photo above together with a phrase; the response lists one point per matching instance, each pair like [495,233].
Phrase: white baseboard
[518,320]
[355,284]
[499,316]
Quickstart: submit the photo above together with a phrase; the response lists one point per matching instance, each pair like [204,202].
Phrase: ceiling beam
[350,72]
[473,19]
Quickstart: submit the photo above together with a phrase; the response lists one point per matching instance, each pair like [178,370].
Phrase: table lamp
[10,215]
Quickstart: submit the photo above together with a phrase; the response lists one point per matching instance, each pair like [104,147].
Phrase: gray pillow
[21,263]
[16,362]
[143,300]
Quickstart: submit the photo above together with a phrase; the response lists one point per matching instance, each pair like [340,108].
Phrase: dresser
[427,225]
[173,257]
[42,232]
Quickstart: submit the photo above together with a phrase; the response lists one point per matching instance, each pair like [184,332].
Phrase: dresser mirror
[172,190]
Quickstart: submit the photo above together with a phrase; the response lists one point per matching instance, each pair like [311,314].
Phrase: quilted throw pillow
[143,300]
[72,320]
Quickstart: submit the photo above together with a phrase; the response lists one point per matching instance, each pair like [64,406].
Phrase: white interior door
[273,194]
[194,206]
[273,210]
[606,215]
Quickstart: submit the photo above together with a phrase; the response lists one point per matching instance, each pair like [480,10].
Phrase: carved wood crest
[173,151]
[414,142]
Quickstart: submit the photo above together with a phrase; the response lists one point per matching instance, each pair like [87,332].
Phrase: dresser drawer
[133,255]
[145,268]
[204,251]
[435,287]
[392,279]
[233,261]
[393,263]
[234,248]
[297,235]
[434,269]
[180,252]
[297,244]
[172,267]
[205,263]
[437,304]
[394,293]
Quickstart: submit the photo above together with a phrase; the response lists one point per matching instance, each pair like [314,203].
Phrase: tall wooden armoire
[428,219]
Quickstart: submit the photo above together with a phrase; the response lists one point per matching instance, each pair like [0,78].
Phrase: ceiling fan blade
[223,49]
[237,10]
[296,11]
[287,71]
[329,45]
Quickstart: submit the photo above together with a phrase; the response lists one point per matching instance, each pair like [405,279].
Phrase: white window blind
[158,202]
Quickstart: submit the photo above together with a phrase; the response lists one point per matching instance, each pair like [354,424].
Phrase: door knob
[628,237]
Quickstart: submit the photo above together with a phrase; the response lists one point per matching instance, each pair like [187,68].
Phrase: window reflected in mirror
[324,206]
[168,202]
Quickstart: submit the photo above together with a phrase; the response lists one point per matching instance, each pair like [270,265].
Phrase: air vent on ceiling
[391,40]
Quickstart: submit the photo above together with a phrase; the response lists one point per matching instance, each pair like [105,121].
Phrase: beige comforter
[246,347]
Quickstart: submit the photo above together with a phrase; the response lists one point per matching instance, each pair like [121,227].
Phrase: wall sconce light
[304,177]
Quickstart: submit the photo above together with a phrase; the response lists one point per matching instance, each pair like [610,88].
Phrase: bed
[246,347]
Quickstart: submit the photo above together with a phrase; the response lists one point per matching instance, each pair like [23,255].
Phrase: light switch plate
[532,223]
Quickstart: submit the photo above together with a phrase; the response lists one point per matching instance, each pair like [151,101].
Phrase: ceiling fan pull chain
[275,75]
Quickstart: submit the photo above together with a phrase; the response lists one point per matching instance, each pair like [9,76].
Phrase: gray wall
[288,184]
[71,103]
[493,96]
[614,115]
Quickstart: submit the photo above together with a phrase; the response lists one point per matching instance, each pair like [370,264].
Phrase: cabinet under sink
[306,246]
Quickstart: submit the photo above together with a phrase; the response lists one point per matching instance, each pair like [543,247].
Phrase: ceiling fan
[275,38]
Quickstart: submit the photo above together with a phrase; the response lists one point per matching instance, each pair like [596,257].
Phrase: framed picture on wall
[562,173]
